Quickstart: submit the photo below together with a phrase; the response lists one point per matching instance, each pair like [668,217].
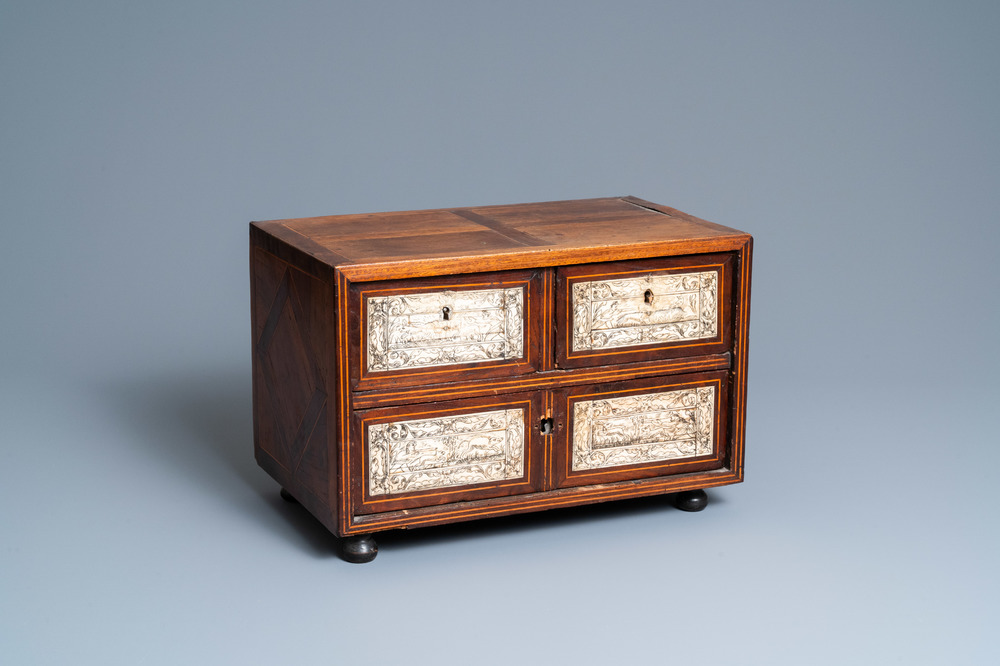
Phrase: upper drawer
[441,329]
[622,312]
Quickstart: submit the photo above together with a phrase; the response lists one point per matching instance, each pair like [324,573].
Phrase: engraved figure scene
[646,428]
[406,456]
[645,310]
[445,328]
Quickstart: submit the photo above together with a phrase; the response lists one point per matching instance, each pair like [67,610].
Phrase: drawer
[422,455]
[622,312]
[427,331]
[641,428]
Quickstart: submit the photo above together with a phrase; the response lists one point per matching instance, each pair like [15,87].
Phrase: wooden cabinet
[430,367]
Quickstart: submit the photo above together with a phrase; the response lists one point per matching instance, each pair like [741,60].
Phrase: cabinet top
[448,241]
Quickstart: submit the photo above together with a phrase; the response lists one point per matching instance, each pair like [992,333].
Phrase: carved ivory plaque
[444,328]
[643,428]
[404,456]
[645,310]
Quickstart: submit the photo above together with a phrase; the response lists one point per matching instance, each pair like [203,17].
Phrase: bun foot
[288,497]
[691,500]
[358,549]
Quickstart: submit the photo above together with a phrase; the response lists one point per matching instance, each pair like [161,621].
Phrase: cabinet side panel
[291,313]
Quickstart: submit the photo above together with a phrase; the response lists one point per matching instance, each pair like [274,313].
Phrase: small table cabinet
[430,367]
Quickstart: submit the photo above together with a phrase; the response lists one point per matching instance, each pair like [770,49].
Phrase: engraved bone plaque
[645,310]
[444,328]
[422,454]
[648,428]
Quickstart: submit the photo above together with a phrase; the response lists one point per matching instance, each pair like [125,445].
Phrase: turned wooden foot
[358,549]
[691,500]
[288,497]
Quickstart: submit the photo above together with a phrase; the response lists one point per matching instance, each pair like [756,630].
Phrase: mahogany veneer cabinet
[428,367]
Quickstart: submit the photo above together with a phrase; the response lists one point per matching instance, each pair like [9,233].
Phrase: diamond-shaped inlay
[291,379]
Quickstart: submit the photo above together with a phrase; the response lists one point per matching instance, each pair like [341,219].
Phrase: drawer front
[445,328]
[446,452]
[643,428]
[428,331]
[608,314]
[631,311]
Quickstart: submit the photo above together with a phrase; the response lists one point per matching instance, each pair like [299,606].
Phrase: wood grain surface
[460,240]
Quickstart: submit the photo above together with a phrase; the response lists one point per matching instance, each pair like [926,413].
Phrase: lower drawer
[459,450]
[639,429]
[412,456]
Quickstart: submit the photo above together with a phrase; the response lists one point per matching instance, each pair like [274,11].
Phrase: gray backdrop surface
[858,141]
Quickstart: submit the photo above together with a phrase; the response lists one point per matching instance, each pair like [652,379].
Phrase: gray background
[858,142]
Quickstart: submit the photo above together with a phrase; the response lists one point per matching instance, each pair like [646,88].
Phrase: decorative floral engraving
[643,428]
[444,328]
[645,310]
[405,456]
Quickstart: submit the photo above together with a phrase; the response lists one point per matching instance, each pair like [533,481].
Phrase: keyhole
[446,311]
[648,296]
[546,426]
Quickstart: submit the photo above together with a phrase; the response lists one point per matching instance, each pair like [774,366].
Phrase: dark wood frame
[534,313]
[530,482]
[567,276]
[564,477]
